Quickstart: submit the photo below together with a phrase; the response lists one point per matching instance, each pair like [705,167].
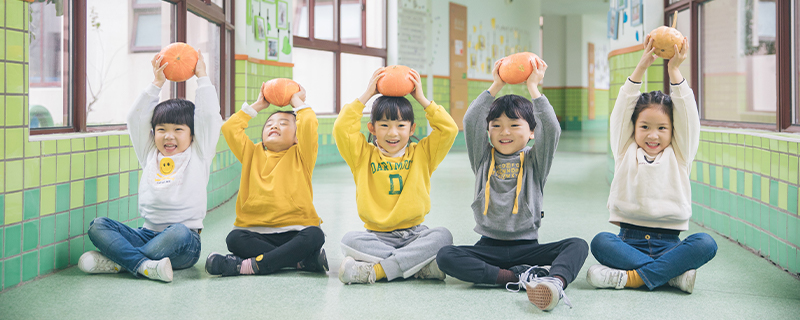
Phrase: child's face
[280,132]
[172,139]
[392,135]
[508,135]
[653,131]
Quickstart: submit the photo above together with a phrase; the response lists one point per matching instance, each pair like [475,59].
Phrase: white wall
[554,50]
[246,42]
[653,17]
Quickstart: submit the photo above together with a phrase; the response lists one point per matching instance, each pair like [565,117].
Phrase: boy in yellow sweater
[392,186]
[276,224]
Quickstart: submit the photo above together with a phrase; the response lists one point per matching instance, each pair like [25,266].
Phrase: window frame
[783,50]
[75,69]
[337,47]
[139,10]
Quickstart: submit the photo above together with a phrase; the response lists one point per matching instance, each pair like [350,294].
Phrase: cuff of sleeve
[249,110]
[152,90]
[680,89]
[432,108]
[631,88]
[204,81]
[301,108]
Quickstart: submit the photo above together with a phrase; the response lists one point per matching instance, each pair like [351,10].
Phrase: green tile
[113,210]
[124,184]
[740,182]
[783,195]
[62,168]
[783,164]
[14,175]
[773,192]
[11,268]
[764,217]
[15,18]
[783,146]
[13,207]
[726,180]
[32,169]
[782,225]
[30,265]
[48,170]
[63,146]
[793,169]
[46,260]
[76,144]
[102,210]
[76,194]
[113,186]
[49,147]
[62,226]
[102,142]
[48,230]
[62,197]
[75,222]
[765,189]
[90,191]
[90,163]
[773,221]
[15,83]
[77,166]
[31,200]
[113,161]
[774,165]
[91,143]
[102,162]
[791,201]
[89,213]
[13,240]
[30,235]
[113,141]
[75,250]
[756,159]
[62,255]
[102,188]
[124,159]
[123,209]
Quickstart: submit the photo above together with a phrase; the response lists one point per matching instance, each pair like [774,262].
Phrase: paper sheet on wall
[412,38]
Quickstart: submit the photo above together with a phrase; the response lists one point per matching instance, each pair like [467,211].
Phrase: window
[91,87]
[341,39]
[743,66]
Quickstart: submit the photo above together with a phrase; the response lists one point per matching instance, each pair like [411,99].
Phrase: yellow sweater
[275,190]
[393,193]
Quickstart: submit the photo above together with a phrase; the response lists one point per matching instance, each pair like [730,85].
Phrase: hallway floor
[736,284]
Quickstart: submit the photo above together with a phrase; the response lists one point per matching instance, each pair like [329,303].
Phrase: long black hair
[174,111]
[654,99]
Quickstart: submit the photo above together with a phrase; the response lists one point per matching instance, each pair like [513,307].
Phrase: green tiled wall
[572,108]
[51,190]
[744,183]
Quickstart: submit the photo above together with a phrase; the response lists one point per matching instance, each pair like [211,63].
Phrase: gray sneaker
[685,281]
[430,271]
[352,271]
[600,276]
[96,262]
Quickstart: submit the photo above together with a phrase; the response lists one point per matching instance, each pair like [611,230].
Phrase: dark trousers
[482,262]
[280,250]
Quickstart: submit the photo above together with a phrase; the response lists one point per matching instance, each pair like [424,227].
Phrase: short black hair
[174,111]
[654,99]
[270,116]
[514,107]
[391,108]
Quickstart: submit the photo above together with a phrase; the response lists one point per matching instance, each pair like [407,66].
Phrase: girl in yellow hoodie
[392,179]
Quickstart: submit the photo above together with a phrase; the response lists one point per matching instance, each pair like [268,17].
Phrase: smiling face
[172,139]
[280,132]
[392,135]
[653,131]
[508,135]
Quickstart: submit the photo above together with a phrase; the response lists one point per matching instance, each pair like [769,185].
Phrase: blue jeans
[130,247]
[656,257]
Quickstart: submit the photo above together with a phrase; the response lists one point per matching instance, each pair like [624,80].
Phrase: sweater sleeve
[546,136]
[346,132]
[307,137]
[139,126]
[476,130]
[207,121]
[620,125]
[237,139]
[686,123]
[438,143]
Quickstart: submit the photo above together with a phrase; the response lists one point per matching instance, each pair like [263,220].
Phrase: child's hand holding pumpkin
[158,72]
[498,83]
[200,68]
[418,94]
[372,87]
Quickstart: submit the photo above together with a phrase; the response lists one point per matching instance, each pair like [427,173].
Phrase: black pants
[482,262]
[280,250]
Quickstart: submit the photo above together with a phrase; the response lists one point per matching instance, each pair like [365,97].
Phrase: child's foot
[315,263]
[224,265]
[352,271]
[685,281]
[431,271]
[546,292]
[526,273]
[96,262]
[600,276]
[157,269]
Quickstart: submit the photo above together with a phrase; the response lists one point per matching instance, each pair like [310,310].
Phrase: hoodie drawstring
[519,183]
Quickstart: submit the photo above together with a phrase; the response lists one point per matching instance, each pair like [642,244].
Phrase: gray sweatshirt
[499,222]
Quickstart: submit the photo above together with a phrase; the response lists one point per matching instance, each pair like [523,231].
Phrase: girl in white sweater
[654,138]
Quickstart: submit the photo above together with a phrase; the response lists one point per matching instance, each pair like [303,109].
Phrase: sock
[247,266]
[379,273]
[634,280]
[506,276]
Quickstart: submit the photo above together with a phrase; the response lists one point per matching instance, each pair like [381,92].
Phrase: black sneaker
[225,265]
[526,273]
[315,263]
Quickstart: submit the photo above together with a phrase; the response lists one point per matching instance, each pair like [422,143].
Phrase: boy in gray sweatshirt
[509,184]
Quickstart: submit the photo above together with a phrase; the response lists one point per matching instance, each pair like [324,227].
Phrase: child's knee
[601,240]
[352,238]
[579,246]
[97,225]
[442,235]
[444,258]
[178,233]
[315,235]
[234,240]
[705,241]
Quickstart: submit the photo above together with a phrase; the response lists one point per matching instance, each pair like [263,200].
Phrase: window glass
[738,61]
[324,20]
[313,69]
[204,36]
[376,24]
[351,22]
[359,70]
[49,89]
[300,21]
[685,27]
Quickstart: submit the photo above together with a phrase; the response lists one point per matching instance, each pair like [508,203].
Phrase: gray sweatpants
[401,252]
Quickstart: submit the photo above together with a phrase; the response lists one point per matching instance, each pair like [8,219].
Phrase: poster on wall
[637,7]
[459,84]
[490,40]
[272,48]
[260,30]
[613,22]
[411,39]
[282,15]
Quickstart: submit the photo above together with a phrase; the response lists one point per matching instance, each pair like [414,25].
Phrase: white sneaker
[430,271]
[685,281]
[96,262]
[546,292]
[157,269]
[352,271]
[600,276]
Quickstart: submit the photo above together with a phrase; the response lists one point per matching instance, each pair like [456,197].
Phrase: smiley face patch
[166,165]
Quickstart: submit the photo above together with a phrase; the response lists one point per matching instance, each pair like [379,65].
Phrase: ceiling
[569,7]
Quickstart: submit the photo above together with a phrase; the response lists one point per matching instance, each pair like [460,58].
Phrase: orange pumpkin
[516,68]
[664,38]
[395,82]
[182,59]
[279,91]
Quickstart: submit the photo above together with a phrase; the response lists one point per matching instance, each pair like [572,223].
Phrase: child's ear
[531,136]
[413,128]
[371,128]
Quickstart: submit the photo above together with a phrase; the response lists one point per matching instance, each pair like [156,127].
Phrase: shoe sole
[342,269]
[208,264]
[542,297]
[322,260]
[166,268]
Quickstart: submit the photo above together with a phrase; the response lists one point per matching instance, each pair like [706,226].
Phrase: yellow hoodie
[393,193]
[275,190]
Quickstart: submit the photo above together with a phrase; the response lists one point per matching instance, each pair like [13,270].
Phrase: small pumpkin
[182,60]
[395,82]
[664,38]
[516,68]
[279,91]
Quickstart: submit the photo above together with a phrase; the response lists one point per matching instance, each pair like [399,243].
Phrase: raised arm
[141,113]
[233,129]
[548,130]
[307,125]
[347,127]
[686,120]
[620,124]
[475,126]
[207,120]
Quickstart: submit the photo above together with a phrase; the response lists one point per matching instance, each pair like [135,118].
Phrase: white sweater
[178,197]
[658,194]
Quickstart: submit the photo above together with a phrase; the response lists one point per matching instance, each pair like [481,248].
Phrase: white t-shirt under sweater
[657,194]
[173,189]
